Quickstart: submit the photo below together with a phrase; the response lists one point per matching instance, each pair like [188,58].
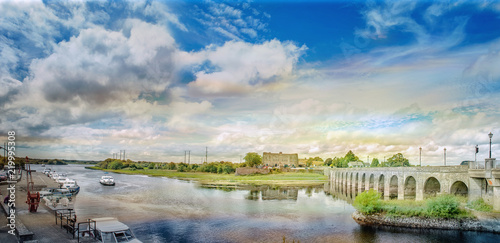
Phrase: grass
[286,178]
[480,205]
[444,206]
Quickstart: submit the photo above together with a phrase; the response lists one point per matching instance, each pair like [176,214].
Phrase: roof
[109,224]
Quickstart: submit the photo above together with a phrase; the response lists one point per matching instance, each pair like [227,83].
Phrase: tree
[350,156]
[398,160]
[374,163]
[328,162]
[252,159]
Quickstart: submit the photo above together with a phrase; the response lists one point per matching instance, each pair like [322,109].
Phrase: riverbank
[279,179]
[471,224]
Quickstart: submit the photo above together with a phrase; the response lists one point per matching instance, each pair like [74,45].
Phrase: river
[169,210]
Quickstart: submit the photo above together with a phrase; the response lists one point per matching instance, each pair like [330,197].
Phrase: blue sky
[85,79]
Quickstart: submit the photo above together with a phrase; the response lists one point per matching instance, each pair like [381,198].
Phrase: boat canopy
[109,224]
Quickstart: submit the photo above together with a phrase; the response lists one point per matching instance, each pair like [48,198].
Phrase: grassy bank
[287,178]
[444,206]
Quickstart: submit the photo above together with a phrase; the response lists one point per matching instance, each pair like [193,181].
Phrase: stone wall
[280,159]
[250,170]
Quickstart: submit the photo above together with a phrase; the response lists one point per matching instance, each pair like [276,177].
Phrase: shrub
[480,205]
[445,206]
[181,168]
[115,165]
[151,166]
[368,202]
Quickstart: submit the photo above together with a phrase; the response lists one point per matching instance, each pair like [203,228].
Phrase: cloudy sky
[83,80]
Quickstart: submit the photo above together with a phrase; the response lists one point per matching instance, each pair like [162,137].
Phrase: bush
[480,205]
[445,206]
[115,165]
[151,166]
[181,168]
[368,202]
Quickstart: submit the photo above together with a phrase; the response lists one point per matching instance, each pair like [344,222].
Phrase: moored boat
[107,180]
[55,192]
[109,229]
[72,186]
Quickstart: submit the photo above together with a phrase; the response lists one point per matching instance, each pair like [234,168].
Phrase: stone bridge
[476,180]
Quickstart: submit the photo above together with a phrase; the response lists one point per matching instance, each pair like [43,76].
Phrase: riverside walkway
[41,224]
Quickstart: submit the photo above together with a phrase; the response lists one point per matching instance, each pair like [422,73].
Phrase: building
[357,164]
[280,159]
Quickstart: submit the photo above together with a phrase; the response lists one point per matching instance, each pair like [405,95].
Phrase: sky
[86,79]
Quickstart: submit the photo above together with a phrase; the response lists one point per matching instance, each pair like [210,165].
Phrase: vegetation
[368,202]
[252,159]
[480,205]
[397,160]
[374,163]
[444,206]
[311,160]
[208,178]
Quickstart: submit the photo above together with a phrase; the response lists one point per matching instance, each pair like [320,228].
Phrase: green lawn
[287,178]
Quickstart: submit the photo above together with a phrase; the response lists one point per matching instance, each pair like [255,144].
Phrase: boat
[72,186]
[107,180]
[43,165]
[61,176]
[46,171]
[109,229]
[61,180]
[55,192]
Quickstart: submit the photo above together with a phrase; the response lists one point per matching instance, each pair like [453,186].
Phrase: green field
[286,178]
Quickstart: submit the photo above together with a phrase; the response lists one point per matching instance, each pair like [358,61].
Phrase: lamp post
[444,156]
[420,158]
[490,135]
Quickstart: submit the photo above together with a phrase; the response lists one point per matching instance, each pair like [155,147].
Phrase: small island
[442,212]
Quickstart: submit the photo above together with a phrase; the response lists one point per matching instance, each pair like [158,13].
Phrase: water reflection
[169,210]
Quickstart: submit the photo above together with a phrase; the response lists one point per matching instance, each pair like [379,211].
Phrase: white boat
[46,171]
[52,174]
[109,229]
[61,180]
[55,192]
[72,186]
[61,176]
[107,180]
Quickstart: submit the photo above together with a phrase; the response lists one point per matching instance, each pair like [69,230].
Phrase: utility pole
[123,154]
[420,158]
[189,156]
[206,154]
[185,156]
[444,156]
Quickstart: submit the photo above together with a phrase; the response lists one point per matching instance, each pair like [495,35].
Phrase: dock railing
[86,230]
[67,219]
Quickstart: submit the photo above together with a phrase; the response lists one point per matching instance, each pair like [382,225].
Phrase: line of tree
[221,167]
[396,160]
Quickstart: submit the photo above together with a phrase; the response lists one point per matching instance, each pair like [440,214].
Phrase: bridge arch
[459,188]
[381,185]
[363,183]
[431,187]
[356,186]
[372,181]
[351,183]
[410,187]
[393,187]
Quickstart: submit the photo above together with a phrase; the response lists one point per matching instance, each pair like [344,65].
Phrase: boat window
[124,236]
[107,238]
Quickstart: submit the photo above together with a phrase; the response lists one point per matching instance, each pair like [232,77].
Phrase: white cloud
[242,66]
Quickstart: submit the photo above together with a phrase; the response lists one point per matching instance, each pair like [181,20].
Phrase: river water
[170,210]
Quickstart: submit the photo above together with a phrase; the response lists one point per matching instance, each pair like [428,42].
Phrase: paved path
[41,223]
